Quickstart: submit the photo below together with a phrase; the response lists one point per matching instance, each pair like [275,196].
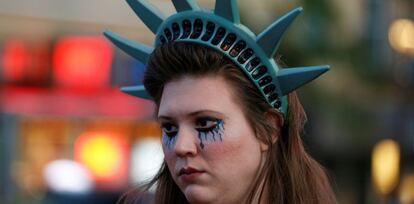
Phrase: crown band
[210,30]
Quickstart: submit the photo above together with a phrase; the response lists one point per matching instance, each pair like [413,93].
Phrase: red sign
[15,60]
[25,63]
[82,63]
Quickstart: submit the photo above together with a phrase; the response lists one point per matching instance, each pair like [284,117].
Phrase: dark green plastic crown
[221,30]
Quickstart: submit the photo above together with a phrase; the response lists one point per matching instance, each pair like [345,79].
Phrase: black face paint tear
[212,134]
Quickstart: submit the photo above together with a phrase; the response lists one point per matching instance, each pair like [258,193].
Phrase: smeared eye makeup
[169,132]
[209,129]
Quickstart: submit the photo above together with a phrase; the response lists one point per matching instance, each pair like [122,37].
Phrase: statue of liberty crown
[221,30]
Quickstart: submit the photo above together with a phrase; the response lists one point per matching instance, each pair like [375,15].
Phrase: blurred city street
[69,135]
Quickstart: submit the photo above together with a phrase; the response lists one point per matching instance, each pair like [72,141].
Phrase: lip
[189,174]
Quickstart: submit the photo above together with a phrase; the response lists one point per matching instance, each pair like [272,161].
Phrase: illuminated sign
[15,60]
[25,63]
[82,62]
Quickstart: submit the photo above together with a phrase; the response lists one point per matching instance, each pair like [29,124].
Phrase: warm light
[82,62]
[401,36]
[15,60]
[101,156]
[104,154]
[385,165]
[406,192]
[25,63]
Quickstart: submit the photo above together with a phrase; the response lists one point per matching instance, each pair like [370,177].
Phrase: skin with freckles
[210,148]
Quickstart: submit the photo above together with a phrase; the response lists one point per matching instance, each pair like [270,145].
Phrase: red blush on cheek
[223,148]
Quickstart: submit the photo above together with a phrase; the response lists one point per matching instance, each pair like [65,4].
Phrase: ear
[275,120]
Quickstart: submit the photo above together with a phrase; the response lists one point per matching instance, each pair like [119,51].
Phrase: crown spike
[151,16]
[269,39]
[293,78]
[138,91]
[139,51]
[227,9]
[184,5]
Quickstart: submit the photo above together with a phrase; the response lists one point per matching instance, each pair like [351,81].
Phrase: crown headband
[221,30]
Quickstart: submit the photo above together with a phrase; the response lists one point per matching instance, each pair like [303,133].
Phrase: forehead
[192,94]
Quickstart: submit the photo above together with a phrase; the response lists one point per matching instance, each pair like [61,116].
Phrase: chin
[198,195]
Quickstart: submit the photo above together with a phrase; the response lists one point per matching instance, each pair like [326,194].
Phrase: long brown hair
[290,174]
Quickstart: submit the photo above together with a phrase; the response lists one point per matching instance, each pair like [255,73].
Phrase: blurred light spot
[15,60]
[104,154]
[385,165]
[147,157]
[401,36]
[406,192]
[66,176]
[82,62]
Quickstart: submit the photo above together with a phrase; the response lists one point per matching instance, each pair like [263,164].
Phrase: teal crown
[221,30]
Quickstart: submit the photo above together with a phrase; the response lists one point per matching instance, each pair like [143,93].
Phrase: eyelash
[197,123]
[171,133]
[207,119]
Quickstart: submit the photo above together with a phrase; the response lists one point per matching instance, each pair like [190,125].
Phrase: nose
[186,143]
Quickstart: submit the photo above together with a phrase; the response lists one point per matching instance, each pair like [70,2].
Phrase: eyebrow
[192,114]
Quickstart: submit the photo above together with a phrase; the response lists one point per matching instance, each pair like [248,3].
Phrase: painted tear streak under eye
[211,135]
[169,142]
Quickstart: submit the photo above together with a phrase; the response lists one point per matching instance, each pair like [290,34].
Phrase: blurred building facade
[61,108]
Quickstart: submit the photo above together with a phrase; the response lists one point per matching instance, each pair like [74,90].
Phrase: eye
[206,124]
[169,129]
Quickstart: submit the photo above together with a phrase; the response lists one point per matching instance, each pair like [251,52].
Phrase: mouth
[189,174]
[188,171]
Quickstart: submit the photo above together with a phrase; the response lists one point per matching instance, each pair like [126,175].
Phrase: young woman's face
[210,148]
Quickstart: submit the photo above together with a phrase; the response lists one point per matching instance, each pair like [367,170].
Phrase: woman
[227,137]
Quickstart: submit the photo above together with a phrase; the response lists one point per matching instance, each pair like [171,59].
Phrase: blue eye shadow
[210,136]
[168,141]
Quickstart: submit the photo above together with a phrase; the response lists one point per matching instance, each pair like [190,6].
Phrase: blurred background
[68,135]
